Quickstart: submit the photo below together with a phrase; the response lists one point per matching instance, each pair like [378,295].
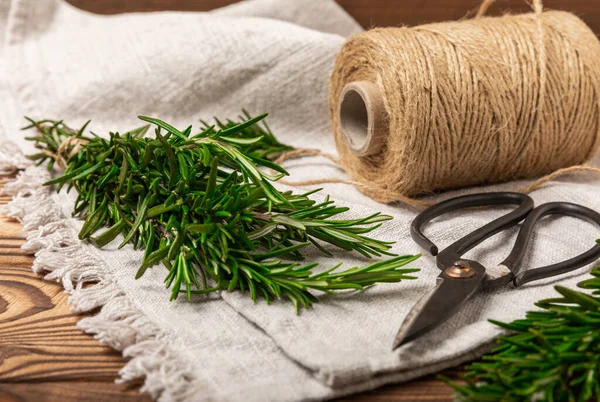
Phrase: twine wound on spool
[456,104]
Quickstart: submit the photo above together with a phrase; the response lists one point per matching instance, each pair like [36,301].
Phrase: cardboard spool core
[362,117]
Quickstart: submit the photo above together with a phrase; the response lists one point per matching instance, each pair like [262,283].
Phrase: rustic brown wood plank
[416,12]
[10,231]
[367,12]
[119,6]
[81,391]
[39,339]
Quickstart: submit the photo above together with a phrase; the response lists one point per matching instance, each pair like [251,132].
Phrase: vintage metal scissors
[462,278]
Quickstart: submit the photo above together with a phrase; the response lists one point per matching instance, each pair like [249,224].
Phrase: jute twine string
[61,155]
[302,152]
[473,102]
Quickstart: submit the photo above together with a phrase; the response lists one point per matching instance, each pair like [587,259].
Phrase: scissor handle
[453,252]
[515,258]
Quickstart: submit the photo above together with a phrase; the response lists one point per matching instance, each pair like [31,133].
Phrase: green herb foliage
[204,205]
[554,355]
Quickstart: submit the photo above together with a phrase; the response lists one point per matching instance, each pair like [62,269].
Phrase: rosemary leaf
[204,206]
[553,354]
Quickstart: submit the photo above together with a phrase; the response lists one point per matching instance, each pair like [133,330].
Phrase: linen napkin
[266,56]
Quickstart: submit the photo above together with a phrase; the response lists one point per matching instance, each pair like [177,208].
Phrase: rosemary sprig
[204,205]
[554,355]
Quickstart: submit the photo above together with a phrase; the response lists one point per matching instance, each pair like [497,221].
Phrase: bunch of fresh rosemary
[204,206]
[554,355]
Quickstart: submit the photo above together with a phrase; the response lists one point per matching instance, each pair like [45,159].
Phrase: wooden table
[45,357]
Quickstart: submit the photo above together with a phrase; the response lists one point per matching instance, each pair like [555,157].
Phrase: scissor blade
[436,306]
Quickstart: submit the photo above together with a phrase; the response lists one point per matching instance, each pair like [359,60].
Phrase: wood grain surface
[46,357]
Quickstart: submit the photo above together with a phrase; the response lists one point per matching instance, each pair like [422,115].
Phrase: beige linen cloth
[266,56]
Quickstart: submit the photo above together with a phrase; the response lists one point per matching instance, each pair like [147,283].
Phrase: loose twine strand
[308,152]
[541,137]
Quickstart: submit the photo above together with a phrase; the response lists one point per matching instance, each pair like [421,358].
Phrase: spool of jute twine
[455,104]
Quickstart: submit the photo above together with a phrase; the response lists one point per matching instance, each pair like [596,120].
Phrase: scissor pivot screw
[460,270]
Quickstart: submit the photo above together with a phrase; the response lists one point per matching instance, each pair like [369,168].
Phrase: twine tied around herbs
[59,157]
[466,103]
